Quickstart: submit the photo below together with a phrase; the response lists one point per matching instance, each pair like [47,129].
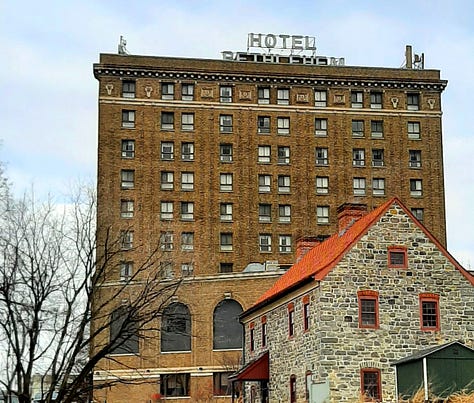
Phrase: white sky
[49,113]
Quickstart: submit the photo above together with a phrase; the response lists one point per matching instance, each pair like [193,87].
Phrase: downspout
[396,383]
[425,378]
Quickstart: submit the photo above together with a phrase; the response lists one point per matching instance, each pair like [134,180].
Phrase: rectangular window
[225,94]
[167,91]
[357,99]
[322,156]
[126,208]
[187,151]
[167,120]
[226,267]
[226,241]
[187,241]
[320,98]
[263,124]
[226,211]
[128,89]
[413,129]
[187,269]
[166,269]
[377,157]
[397,257]
[413,102]
[264,183]
[187,180]
[128,148]
[284,243]
[264,95]
[283,184]
[321,127]
[368,309]
[225,153]
[187,92]
[127,177]
[187,211]
[306,315]
[264,154]
[166,210]
[166,240]
[167,180]
[358,186]
[322,184]
[415,159]
[225,123]
[252,337]
[264,212]
[284,213]
[429,312]
[418,213]
[357,128]
[322,214]
[126,271]
[283,155]
[283,96]
[174,385]
[376,100]
[167,150]
[222,386]
[376,129]
[370,384]
[128,118]
[187,121]
[264,331]
[291,320]
[283,126]
[378,186]
[416,188]
[265,242]
[226,182]
[358,157]
[126,240]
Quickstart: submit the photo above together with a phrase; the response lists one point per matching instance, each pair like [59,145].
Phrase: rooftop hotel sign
[282,41]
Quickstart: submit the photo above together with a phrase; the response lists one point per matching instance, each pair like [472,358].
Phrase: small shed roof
[429,351]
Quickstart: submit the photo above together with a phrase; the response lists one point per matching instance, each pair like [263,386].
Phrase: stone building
[377,291]
[226,164]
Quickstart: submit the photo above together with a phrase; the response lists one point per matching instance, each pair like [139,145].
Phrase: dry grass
[419,397]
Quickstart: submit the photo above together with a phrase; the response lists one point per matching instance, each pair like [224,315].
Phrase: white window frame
[128,119]
[166,210]
[226,152]
[264,124]
[128,89]
[166,240]
[378,162]
[414,160]
[226,211]
[357,99]
[413,130]
[167,120]
[126,240]
[284,243]
[358,131]
[376,99]
[321,127]
[322,184]
[226,182]
[320,98]
[187,269]
[283,155]
[126,208]
[263,95]
[284,184]
[413,106]
[265,243]
[264,154]
[187,180]
[283,96]
[378,186]
[126,271]
[167,180]
[127,178]
[358,157]
[322,214]
[187,92]
[359,186]
[167,91]
[264,183]
[416,187]
[225,93]
[226,241]
[264,212]
[187,151]
[283,126]
[418,213]
[187,241]
[284,213]
[187,211]
[322,156]
[226,123]
[128,149]
[187,121]
[376,129]
[167,151]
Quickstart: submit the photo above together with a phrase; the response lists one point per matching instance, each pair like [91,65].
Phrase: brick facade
[335,348]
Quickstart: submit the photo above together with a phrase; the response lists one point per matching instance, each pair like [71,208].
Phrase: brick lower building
[333,326]
[227,163]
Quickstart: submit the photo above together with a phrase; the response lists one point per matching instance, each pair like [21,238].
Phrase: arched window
[227,329]
[176,328]
[123,332]
[292,388]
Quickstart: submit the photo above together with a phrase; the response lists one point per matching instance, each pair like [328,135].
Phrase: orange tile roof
[321,259]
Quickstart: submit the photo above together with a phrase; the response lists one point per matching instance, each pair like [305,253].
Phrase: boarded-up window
[227,329]
[123,332]
[176,328]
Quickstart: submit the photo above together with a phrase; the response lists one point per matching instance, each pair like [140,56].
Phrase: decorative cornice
[379,83]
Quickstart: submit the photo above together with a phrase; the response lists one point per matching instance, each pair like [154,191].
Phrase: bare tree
[63,308]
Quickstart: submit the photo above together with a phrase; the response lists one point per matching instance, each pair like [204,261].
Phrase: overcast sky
[49,111]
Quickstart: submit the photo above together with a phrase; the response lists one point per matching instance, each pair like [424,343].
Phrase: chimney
[348,213]
[408,57]
[306,243]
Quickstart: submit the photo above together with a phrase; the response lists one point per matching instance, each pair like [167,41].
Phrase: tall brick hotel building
[233,165]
